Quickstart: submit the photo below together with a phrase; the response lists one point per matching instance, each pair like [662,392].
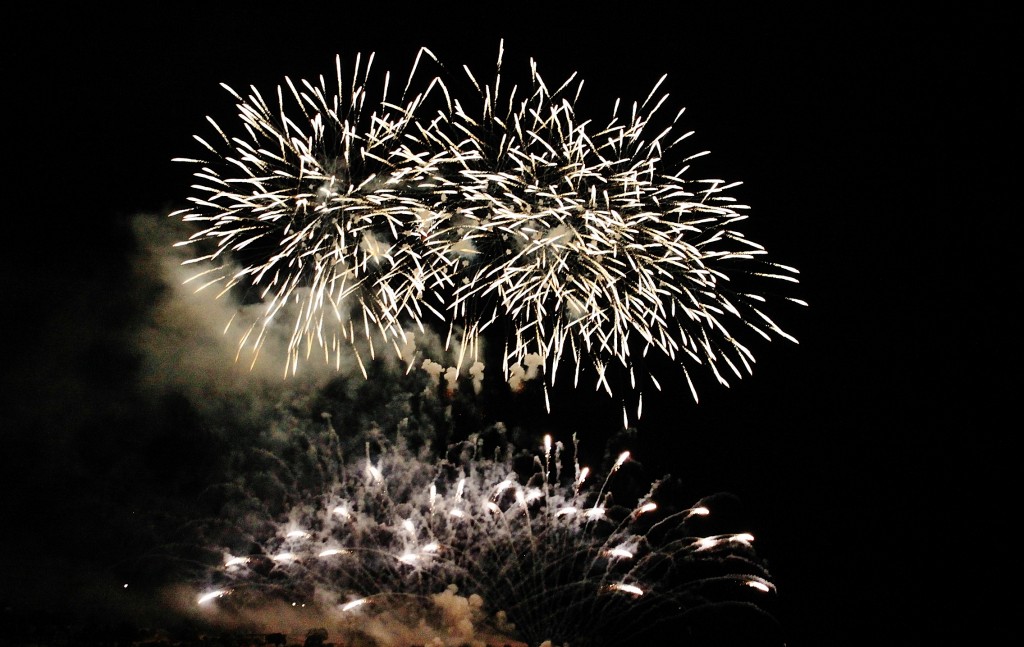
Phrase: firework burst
[584,245]
[546,550]
[316,210]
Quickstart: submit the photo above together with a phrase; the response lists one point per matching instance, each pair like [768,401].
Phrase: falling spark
[206,597]
[628,588]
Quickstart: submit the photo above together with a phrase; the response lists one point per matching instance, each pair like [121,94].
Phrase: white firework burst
[551,553]
[582,244]
[587,245]
[321,205]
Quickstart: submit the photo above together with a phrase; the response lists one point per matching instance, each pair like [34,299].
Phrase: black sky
[873,457]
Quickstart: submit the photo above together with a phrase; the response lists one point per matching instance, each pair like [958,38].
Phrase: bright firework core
[358,213]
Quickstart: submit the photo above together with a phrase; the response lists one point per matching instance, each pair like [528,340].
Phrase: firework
[543,548]
[314,209]
[353,213]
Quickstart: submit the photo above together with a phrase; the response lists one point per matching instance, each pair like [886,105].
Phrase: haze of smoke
[184,346]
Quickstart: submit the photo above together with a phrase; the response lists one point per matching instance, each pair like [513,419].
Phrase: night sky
[872,459]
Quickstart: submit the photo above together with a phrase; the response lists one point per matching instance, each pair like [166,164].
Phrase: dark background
[872,459]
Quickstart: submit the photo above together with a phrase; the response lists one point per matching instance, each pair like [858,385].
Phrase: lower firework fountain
[542,549]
